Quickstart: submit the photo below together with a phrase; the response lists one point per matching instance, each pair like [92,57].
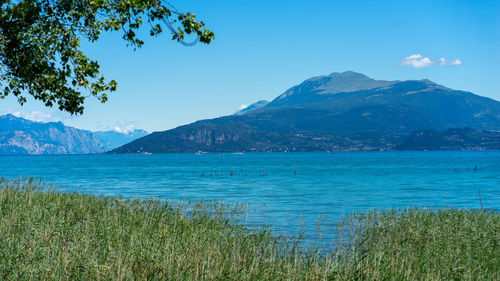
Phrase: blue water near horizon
[290,191]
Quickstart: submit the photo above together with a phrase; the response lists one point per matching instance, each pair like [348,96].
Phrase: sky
[263,48]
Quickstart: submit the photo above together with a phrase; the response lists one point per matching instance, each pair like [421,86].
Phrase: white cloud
[417,61]
[455,62]
[124,129]
[36,116]
[241,107]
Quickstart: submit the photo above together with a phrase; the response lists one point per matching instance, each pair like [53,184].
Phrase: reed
[50,235]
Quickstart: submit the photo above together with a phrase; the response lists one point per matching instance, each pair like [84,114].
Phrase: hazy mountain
[253,107]
[340,111]
[112,139]
[21,136]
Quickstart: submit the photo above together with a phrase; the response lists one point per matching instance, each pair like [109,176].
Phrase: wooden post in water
[480,200]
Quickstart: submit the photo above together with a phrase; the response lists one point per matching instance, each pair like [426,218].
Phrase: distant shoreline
[262,152]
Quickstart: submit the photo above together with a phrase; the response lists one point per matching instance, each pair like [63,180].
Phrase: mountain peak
[8,116]
[349,81]
[432,84]
[349,74]
[334,83]
[13,118]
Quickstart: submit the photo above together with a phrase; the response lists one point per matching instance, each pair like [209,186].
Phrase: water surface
[291,191]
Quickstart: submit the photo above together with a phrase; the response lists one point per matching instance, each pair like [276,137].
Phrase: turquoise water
[291,191]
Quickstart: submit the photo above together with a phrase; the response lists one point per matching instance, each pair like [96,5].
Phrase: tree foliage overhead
[40,53]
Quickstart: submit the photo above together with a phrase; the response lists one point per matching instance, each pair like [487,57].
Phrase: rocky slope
[21,136]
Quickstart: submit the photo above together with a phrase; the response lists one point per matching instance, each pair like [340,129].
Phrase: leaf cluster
[40,52]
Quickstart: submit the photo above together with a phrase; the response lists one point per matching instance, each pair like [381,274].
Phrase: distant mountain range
[337,112]
[113,139]
[21,136]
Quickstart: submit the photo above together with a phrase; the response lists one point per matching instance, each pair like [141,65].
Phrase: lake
[291,191]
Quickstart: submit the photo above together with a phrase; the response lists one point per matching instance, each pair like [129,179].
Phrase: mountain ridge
[339,111]
[23,136]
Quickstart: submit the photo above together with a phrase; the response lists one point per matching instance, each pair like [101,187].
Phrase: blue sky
[264,47]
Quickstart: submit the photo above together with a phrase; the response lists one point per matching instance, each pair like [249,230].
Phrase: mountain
[452,139]
[112,139]
[318,88]
[21,136]
[252,107]
[340,111]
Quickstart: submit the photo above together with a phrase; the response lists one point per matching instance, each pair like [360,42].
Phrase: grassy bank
[49,235]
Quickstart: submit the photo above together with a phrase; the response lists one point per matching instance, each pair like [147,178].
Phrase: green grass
[51,235]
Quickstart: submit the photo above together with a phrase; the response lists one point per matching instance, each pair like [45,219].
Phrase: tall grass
[50,235]
[421,244]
